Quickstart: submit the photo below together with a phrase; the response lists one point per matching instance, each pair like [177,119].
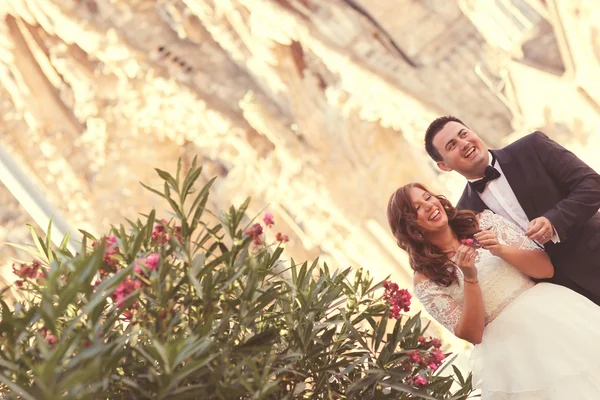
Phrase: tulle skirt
[544,345]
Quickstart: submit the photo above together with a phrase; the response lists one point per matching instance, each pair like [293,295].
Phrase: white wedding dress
[540,341]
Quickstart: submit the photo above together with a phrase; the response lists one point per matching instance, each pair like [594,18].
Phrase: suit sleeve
[574,177]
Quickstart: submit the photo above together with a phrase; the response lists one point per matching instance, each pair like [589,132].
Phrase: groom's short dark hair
[432,130]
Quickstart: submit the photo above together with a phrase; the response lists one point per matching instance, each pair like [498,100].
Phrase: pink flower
[437,343]
[471,242]
[438,355]
[124,289]
[399,299]
[51,339]
[110,245]
[420,381]
[282,238]
[152,261]
[111,240]
[269,220]
[158,232]
[422,339]
[433,366]
[29,271]
[254,232]
[414,356]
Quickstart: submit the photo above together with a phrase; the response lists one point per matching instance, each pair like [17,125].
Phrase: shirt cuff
[555,238]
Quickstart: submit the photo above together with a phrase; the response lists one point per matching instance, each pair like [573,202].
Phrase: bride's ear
[443,166]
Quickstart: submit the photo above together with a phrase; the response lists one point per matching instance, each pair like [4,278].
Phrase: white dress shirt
[500,198]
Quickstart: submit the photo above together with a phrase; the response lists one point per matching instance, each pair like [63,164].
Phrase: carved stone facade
[315,109]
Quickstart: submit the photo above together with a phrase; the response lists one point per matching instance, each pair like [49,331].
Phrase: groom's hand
[540,230]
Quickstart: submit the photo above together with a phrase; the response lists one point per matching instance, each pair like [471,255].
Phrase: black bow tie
[491,173]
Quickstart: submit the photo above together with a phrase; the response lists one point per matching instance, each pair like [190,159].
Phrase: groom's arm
[574,177]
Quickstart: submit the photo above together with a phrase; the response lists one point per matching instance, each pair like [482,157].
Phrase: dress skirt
[544,345]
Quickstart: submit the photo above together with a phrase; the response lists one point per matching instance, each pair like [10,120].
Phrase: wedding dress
[540,341]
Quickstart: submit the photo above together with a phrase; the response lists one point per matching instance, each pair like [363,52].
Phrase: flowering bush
[187,309]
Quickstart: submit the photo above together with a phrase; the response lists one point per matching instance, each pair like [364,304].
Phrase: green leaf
[381,329]
[168,178]
[407,389]
[458,375]
[189,181]
[48,243]
[152,190]
[65,242]
[174,205]
[39,243]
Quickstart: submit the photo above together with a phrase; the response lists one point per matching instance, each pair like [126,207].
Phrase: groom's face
[461,150]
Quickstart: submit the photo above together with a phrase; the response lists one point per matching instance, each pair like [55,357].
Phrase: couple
[528,215]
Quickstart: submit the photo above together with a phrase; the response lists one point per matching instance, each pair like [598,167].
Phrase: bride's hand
[489,241]
[465,259]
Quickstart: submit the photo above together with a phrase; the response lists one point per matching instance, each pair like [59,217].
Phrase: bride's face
[430,212]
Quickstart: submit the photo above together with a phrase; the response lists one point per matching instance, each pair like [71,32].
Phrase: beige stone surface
[316,109]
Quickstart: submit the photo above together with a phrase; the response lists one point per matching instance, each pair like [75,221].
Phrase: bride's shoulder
[422,284]
[419,277]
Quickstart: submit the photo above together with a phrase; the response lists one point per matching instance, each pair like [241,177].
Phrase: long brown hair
[424,256]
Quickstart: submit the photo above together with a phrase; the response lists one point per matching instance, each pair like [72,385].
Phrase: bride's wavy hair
[424,256]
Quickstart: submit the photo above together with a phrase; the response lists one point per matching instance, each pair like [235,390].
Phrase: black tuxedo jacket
[548,180]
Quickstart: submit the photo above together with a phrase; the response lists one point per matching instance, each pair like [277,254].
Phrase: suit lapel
[514,172]
[473,201]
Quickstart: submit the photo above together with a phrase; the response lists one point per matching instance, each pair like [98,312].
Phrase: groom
[536,183]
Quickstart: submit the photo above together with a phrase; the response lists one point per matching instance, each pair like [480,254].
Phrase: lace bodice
[500,282]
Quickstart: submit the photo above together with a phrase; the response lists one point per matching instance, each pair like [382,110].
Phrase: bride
[472,274]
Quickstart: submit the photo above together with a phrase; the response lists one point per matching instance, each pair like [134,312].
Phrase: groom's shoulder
[528,140]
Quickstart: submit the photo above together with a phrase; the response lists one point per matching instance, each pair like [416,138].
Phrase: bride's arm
[466,322]
[534,263]
[472,322]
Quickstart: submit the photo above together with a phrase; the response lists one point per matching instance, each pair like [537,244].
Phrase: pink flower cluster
[256,231]
[50,338]
[151,262]
[160,234]
[399,299]
[282,238]
[269,220]
[28,271]
[431,359]
[111,249]
[420,381]
[431,342]
[124,289]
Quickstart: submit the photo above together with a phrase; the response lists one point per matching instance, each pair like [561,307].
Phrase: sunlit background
[314,108]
